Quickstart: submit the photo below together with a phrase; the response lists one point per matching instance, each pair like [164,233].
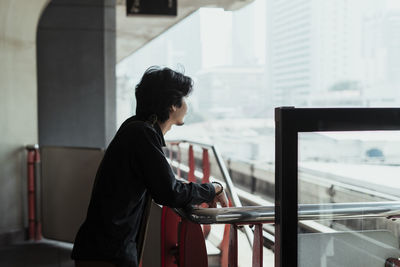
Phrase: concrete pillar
[76,73]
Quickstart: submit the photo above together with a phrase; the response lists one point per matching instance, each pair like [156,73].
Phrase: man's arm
[159,179]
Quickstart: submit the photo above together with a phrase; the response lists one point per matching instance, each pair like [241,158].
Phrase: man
[134,166]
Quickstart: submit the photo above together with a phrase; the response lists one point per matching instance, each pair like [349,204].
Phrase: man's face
[177,114]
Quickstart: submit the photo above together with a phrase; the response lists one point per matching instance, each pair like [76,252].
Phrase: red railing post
[192,246]
[206,179]
[191,177]
[224,246]
[179,160]
[206,166]
[233,247]
[169,238]
[258,244]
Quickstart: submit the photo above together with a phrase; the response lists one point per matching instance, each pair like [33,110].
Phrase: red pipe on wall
[38,233]
[34,225]
[31,194]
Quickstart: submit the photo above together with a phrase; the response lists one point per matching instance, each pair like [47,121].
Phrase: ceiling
[133,32]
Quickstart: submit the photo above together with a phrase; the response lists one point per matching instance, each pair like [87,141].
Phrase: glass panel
[358,168]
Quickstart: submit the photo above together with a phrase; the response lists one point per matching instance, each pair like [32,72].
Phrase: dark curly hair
[159,90]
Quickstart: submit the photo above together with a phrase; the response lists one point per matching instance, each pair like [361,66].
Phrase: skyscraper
[314,52]
[289,34]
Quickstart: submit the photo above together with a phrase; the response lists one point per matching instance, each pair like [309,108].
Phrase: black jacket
[134,163]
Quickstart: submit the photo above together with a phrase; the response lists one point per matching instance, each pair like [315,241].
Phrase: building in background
[333,53]
[240,89]
[290,58]
[381,53]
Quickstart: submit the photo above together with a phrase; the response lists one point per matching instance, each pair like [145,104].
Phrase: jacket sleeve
[159,178]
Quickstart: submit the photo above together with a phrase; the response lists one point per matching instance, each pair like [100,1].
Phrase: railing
[232,193]
[266,214]
[189,248]
[257,216]
[204,176]
[206,147]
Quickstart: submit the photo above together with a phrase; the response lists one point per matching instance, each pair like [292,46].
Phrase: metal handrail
[225,175]
[266,214]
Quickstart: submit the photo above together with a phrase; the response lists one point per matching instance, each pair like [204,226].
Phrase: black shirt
[133,165]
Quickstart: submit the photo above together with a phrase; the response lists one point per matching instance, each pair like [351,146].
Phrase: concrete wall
[76,73]
[18,105]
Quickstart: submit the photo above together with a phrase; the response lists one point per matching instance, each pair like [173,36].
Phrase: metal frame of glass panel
[289,121]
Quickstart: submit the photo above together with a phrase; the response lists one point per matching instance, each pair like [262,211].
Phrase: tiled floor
[49,253]
[36,254]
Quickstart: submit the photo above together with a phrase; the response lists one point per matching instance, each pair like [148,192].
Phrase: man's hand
[219,198]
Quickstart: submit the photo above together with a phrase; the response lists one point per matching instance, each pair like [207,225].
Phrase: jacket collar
[155,126]
[158,130]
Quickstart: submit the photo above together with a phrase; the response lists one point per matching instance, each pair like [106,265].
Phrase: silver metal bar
[225,174]
[203,145]
[266,214]
[221,164]
[227,178]
[234,195]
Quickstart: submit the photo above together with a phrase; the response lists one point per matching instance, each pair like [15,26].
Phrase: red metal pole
[31,193]
[258,244]
[206,166]
[38,223]
[224,246]
[191,177]
[179,160]
[233,247]
[206,179]
[169,237]
[192,246]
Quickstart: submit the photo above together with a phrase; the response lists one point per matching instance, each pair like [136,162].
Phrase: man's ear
[172,108]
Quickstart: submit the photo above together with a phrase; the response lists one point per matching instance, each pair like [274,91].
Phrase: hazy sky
[216,32]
